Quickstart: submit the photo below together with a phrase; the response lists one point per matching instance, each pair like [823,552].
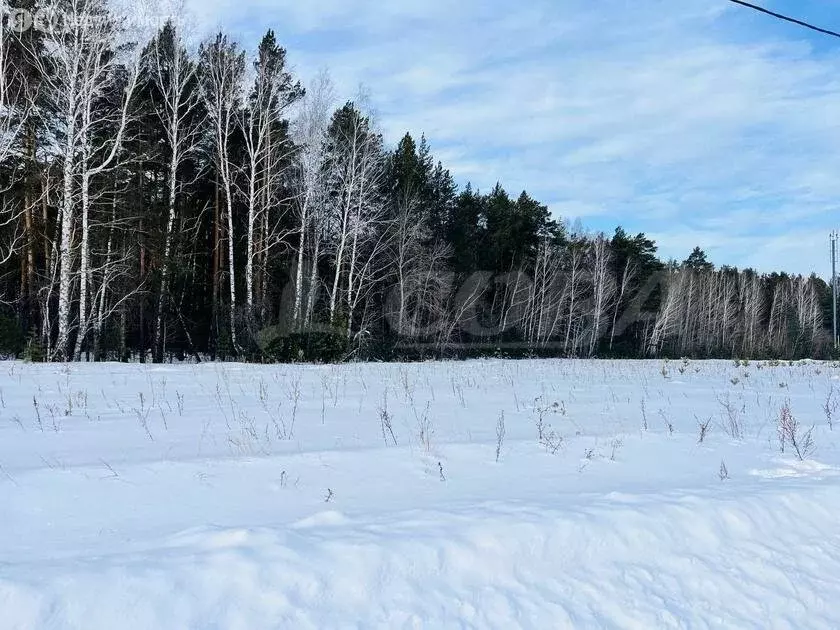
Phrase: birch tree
[261,124]
[15,99]
[223,68]
[105,119]
[409,229]
[309,132]
[667,318]
[576,252]
[15,107]
[173,76]
[628,275]
[357,168]
[89,77]
[603,288]
[544,303]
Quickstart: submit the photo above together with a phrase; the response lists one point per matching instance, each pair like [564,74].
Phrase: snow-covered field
[371,496]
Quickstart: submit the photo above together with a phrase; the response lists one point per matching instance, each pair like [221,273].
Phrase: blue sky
[696,121]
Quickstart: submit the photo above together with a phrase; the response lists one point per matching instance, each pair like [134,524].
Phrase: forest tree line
[160,200]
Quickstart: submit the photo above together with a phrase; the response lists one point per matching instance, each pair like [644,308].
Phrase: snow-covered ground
[371,496]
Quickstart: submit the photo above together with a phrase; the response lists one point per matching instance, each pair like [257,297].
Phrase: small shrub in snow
[387,425]
[37,414]
[542,410]
[113,472]
[293,394]
[616,444]
[180,400]
[790,433]
[704,429]
[425,430]
[500,435]
[830,407]
[143,416]
[668,424]
[552,441]
[54,416]
[548,437]
[732,422]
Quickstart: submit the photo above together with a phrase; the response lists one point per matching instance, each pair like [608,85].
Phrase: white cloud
[667,117]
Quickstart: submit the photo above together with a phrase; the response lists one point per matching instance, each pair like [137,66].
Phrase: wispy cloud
[691,120]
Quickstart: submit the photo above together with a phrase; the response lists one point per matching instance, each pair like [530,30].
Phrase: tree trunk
[299,266]
[62,344]
[216,260]
[313,282]
[167,253]
[249,245]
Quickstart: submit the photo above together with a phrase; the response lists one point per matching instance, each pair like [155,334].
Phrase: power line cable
[786,18]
